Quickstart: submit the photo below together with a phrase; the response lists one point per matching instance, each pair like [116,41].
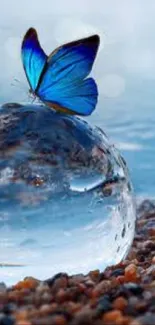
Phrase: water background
[124,68]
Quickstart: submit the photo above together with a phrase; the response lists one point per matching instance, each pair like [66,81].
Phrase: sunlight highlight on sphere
[112,85]
[12,47]
[68,30]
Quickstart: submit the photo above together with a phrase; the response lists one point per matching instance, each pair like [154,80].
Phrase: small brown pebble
[58,320]
[112,316]
[84,316]
[75,279]
[121,279]
[44,310]
[101,287]
[120,303]
[53,307]
[12,295]
[81,287]
[152,231]
[73,307]
[61,296]
[131,273]
[27,283]
[61,282]
[47,309]
[21,315]
[122,320]
[33,313]
[153,260]
[141,306]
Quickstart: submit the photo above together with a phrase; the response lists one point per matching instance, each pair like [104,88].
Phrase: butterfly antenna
[31,97]
[33,100]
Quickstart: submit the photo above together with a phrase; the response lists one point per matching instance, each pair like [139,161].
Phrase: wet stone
[124,292]
[132,288]
[120,303]
[131,273]
[117,272]
[112,316]
[58,280]
[103,305]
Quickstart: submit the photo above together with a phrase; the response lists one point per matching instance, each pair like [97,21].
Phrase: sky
[126,30]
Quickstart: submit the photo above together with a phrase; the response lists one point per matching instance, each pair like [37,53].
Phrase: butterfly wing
[63,84]
[33,58]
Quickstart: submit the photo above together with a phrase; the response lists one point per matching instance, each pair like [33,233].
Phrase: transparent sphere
[66,201]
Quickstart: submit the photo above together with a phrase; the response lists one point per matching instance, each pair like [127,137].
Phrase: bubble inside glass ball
[66,201]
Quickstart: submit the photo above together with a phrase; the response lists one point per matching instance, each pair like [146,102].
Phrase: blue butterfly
[59,80]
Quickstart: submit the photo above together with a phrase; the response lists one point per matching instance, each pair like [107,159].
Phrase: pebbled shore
[123,294]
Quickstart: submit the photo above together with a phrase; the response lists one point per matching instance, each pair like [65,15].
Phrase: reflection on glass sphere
[66,201]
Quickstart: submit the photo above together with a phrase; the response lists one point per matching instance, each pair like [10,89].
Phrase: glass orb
[66,201]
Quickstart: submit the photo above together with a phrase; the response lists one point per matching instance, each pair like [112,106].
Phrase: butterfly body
[60,79]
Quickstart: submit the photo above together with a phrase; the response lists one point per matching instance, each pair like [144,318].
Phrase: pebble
[60,280]
[103,305]
[27,283]
[131,273]
[120,303]
[101,288]
[117,272]
[61,296]
[58,320]
[134,288]
[112,316]
[153,260]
